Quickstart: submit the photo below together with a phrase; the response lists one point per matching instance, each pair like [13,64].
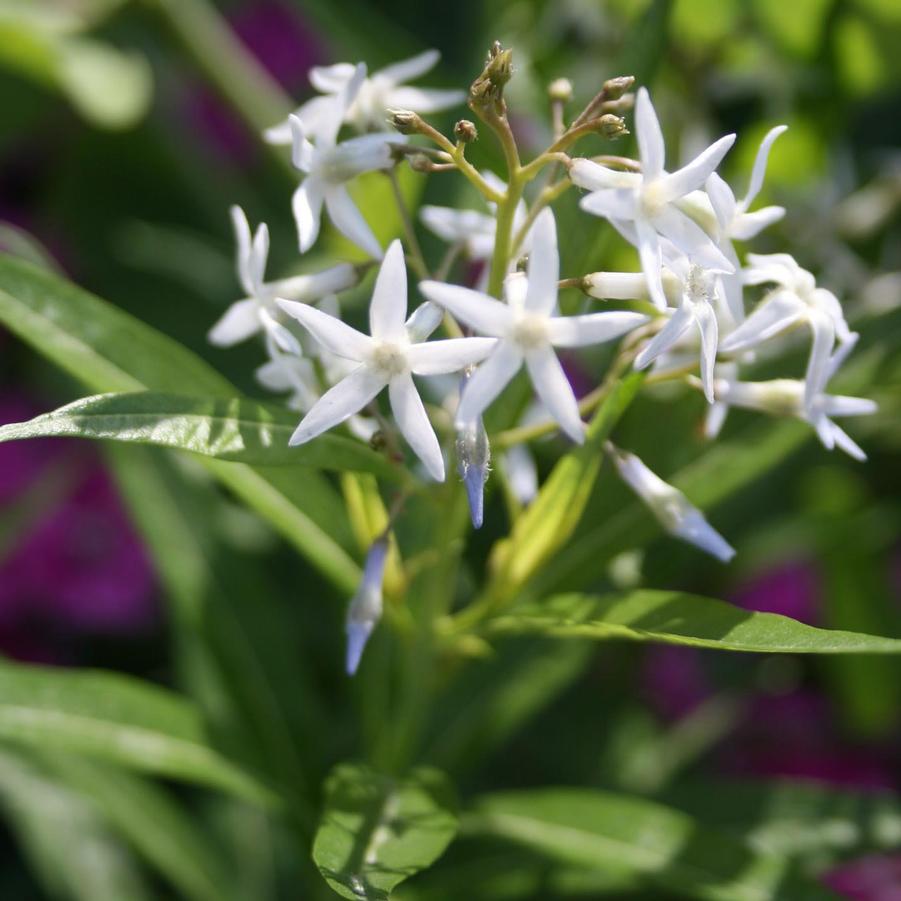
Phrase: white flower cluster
[692,282]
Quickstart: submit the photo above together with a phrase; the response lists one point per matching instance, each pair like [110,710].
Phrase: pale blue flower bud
[366,607]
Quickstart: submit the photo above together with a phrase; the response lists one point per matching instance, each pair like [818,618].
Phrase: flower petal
[843,441]
[485,314]
[450,355]
[595,177]
[592,328]
[239,322]
[705,319]
[349,220]
[388,308]
[316,285]
[302,151]
[456,226]
[544,265]
[611,203]
[748,225]
[242,239]
[414,425]
[777,312]
[331,333]
[691,176]
[651,149]
[339,403]
[721,199]
[691,239]
[409,69]
[307,207]
[423,321]
[555,392]
[823,330]
[487,382]
[331,79]
[678,324]
[651,263]
[759,170]
[258,256]
[424,100]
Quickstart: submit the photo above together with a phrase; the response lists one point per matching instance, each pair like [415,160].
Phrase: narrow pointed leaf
[377,831]
[623,835]
[109,350]
[672,617]
[236,429]
[116,718]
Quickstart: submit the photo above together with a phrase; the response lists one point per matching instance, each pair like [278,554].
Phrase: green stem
[417,260]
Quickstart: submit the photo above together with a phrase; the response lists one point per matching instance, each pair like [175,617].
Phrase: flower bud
[419,162]
[611,126]
[560,90]
[488,88]
[366,607]
[405,121]
[672,509]
[614,88]
[473,457]
[465,131]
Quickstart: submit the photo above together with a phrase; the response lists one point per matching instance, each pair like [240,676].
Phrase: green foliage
[119,719]
[672,617]
[237,429]
[377,830]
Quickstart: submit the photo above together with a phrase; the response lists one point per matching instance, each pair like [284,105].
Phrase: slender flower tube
[673,510]
[473,459]
[366,607]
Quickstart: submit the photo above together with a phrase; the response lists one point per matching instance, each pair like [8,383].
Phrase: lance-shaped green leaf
[117,718]
[236,429]
[672,617]
[377,831]
[552,517]
[160,830]
[623,835]
[109,350]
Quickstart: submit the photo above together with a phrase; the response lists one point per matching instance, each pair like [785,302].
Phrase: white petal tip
[357,637]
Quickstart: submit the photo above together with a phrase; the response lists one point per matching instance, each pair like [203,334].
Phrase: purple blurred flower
[790,589]
[73,560]
[797,735]
[873,878]
[286,46]
[673,680]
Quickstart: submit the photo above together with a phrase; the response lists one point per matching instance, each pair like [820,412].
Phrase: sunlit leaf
[119,719]
[673,617]
[236,429]
[377,831]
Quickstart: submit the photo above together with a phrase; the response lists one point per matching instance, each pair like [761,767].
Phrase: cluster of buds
[687,315]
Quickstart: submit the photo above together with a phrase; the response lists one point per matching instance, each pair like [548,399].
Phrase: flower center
[389,359]
[653,198]
[530,330]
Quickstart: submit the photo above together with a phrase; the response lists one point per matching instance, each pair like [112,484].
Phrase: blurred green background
[127,129]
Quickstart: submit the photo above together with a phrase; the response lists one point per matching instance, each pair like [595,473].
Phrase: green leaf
[549,521]
[236,429]
[672,617]
[377,831]
[116,718]
[622,835]
[109,350]
[68,845]
[156,827]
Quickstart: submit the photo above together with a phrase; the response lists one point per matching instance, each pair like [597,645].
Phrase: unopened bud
[466,131]
[489,86]
[366,607]
[419,162]
[611,126]
[560,90]
[405,121]
[473,457]
[614,88]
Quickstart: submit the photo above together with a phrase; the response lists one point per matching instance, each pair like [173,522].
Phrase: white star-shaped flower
[736,223]
[329,165]
[644,206]
[528,332]
[788,397]
[672,509]
[257,312]
[796,301]
[699,289]
[383,90]
[284,373]
[386,359]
